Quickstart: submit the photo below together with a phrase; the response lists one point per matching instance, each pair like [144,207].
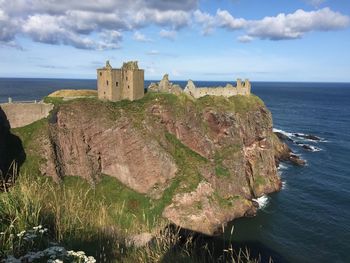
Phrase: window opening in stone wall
[107,82]
[128,86]
[100,73]
[126,77]
[116,83]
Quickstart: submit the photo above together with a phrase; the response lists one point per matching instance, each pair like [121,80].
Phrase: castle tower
[119,84]
[247,86]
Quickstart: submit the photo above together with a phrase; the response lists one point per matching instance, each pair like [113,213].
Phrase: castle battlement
[126,82]
[241,88]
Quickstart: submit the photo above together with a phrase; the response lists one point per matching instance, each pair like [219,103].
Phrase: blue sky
[270,40]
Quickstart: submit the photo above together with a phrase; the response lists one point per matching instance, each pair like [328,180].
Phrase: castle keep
[119,84]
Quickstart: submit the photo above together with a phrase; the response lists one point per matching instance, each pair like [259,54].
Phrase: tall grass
[76,219]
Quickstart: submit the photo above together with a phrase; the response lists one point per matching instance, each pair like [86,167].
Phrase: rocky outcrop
[283,152]
[165,86]
[214,155]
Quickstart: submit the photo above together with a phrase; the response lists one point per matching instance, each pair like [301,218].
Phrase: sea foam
[262,201]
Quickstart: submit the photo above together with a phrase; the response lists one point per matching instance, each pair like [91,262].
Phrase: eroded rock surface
[214,154]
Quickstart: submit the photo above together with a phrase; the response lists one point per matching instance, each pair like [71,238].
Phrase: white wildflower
[37,227]
[90,259]
[2,233]
[21,234]
[42,231]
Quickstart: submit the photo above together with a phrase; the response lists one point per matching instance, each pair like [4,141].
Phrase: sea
[309,219]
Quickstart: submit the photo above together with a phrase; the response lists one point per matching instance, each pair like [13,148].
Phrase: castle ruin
[120,84]
[242,88]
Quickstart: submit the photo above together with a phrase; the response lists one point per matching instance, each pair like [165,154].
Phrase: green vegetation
[237,104]
[221,171]
[259,180]
[77,217]
[188,162]
[31,136]
[98,218]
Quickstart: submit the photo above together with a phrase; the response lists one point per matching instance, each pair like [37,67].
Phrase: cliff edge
[201,162]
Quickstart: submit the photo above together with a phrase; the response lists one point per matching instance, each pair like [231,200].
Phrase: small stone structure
[21,114]
[119,84]
[165,86]
[242,88]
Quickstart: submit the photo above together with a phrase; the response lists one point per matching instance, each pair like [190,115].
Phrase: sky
[263,40]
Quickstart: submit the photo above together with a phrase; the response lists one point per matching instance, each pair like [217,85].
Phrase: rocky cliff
[206,159]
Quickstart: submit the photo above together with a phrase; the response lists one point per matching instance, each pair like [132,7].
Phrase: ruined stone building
[119,84]
[242,88]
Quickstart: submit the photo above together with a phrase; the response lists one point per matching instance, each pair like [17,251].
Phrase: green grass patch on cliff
[221,171]
[187,161]
[31,137]
[237,104]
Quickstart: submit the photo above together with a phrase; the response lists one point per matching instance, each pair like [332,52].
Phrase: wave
[288,134]
[262,201]
[309,147]
[299,136]
[282,166]
[284,185]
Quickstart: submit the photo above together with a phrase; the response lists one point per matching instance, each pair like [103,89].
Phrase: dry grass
[67,93]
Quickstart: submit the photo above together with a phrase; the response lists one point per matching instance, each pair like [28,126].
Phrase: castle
[128,83]
[119,84]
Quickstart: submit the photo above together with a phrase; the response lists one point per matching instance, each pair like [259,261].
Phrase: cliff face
[213,155]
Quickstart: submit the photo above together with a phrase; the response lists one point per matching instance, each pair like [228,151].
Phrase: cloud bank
[100,24]
[89,24]
[280,27]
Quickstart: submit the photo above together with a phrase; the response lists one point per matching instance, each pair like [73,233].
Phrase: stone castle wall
[22,114]
[227,91]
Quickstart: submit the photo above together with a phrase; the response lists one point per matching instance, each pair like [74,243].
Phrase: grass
[31,136]
[77,217]
[73,93]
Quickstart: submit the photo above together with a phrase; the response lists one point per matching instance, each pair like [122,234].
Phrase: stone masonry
[120,84]
[227,91]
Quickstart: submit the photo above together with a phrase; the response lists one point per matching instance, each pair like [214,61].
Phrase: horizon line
[252,81]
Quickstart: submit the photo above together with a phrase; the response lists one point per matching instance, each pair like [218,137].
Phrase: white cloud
[51,30]
[99,24]
[226,20]
[295,25]
[245,39]
[141,37]
[206,20]
[175,19]
[279,27]
[222,19]
[169,34]
[77,23]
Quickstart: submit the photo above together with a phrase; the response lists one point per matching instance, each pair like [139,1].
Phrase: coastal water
[309,220]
